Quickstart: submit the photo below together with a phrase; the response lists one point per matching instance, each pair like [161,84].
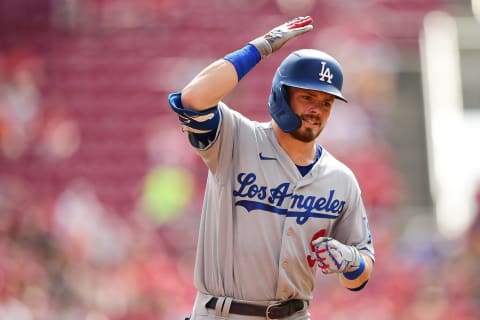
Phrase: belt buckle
[271,306]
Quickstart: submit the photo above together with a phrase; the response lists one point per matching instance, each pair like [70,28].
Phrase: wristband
[355,274]
[244,59]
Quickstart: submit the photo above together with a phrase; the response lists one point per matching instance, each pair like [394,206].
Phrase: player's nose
[314,108]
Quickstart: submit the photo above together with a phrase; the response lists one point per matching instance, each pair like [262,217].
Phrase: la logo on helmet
[325,73]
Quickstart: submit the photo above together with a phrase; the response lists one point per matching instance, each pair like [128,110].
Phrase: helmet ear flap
[294,122]
[280,110]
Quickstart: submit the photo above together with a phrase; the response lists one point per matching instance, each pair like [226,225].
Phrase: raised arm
[219,78]
[210,86]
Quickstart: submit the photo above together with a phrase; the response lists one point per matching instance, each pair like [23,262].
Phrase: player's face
[314,108]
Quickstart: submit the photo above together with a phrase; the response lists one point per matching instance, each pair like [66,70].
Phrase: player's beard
[307,134]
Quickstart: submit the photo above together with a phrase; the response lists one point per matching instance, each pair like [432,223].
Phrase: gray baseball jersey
[260,215]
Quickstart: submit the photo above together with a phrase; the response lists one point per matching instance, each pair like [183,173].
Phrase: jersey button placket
[284,290]
[290,231]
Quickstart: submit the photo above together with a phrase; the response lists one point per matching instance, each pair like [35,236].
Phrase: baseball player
[278,206]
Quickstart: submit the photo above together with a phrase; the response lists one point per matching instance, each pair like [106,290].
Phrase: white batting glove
[278,36]
[335,257]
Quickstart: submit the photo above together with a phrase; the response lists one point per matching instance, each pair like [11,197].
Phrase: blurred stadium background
[100,193]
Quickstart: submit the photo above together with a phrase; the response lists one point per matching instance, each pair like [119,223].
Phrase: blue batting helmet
[306,69]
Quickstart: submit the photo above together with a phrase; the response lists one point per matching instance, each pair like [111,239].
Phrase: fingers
[277,37]
[323,265]
[300,22]
[299,25]
[304,29]
[326,253]
[321,252]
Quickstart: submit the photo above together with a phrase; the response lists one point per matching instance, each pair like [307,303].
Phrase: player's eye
[327,103]
[307,98]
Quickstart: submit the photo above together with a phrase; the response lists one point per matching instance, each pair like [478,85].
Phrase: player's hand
[335,257]
[278,36]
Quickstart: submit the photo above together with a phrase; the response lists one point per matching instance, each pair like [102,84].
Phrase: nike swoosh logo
[262,157]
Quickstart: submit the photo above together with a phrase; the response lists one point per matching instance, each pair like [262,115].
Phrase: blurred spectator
[60,137]
[87,230]
[19,100]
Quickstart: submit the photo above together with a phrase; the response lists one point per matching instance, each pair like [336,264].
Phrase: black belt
[273,311]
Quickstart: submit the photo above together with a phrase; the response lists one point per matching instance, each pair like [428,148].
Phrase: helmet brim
[319,87]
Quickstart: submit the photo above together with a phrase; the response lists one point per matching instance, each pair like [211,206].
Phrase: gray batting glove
[335,257]
[277,37]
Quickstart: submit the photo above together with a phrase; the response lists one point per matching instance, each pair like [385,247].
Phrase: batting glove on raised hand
[278,36]
[335,257]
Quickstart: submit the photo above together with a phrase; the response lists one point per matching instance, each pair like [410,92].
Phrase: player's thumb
[303,29]
[320,240]
[298,31]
